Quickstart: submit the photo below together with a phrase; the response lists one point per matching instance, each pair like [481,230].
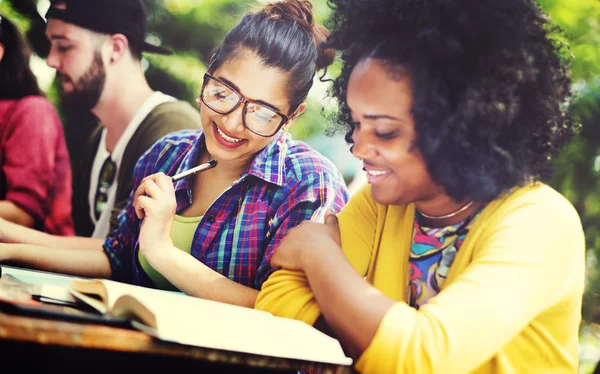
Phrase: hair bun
[326,54]
[301,12]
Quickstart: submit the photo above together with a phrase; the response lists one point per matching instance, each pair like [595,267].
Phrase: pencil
[202,167]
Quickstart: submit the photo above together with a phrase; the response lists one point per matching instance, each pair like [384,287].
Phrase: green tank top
[182,235]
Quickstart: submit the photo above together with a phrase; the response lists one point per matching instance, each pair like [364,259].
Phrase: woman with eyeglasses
[212,234]
[35,172]
[456,258]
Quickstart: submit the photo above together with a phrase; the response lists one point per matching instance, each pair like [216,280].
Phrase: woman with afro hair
[456,258]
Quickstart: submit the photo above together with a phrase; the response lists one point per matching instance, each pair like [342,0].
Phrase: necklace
[456,212]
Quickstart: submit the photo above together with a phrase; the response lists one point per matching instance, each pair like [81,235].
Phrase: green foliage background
[578,166]
[193,28]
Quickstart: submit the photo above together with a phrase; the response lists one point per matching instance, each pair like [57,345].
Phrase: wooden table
[53,346]
[60,346]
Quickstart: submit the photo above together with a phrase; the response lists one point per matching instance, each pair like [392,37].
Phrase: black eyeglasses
[258,117]
[108,172]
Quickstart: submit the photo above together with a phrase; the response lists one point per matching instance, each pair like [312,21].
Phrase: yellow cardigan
[511,302]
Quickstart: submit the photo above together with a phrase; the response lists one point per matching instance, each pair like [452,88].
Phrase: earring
[283,149]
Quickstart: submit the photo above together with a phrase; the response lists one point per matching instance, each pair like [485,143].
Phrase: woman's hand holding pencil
[154,202]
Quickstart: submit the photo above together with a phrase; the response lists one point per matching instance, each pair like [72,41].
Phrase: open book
[188,320]
[49,301]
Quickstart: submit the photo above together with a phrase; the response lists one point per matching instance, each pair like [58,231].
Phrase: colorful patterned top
[431,254]
[287,183]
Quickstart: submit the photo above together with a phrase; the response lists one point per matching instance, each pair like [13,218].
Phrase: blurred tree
[36,26]
[577,171]
[192,29]
[581,23]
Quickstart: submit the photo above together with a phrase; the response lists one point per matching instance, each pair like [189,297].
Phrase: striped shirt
[285,184]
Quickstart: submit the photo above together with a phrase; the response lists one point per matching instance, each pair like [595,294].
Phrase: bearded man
[96,49]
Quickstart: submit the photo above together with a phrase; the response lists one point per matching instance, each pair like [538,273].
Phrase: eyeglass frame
[245,101]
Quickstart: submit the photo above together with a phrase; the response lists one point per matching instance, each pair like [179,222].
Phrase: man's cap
[127,17]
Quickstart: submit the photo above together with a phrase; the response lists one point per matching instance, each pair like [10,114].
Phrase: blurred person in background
[35,173]
[96,49]
[457,257]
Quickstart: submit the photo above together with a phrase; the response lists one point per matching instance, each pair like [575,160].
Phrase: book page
[14,290]
[238,329]
[50,293]
[46,287]
[90,301]
[38,277]
[194,321]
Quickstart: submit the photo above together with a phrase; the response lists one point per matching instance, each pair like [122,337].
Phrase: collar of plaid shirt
[268,165]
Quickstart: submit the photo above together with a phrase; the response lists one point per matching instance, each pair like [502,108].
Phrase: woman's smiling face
[227,139]
[380,99]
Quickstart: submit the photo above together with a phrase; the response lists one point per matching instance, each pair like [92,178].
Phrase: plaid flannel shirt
[286,183]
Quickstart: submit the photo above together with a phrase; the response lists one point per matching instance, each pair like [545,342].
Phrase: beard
[87,90]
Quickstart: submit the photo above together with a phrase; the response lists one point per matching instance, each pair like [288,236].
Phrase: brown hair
[284,35]
[301,12]
[16,78]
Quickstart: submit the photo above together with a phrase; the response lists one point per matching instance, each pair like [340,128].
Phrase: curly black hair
[490,88]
